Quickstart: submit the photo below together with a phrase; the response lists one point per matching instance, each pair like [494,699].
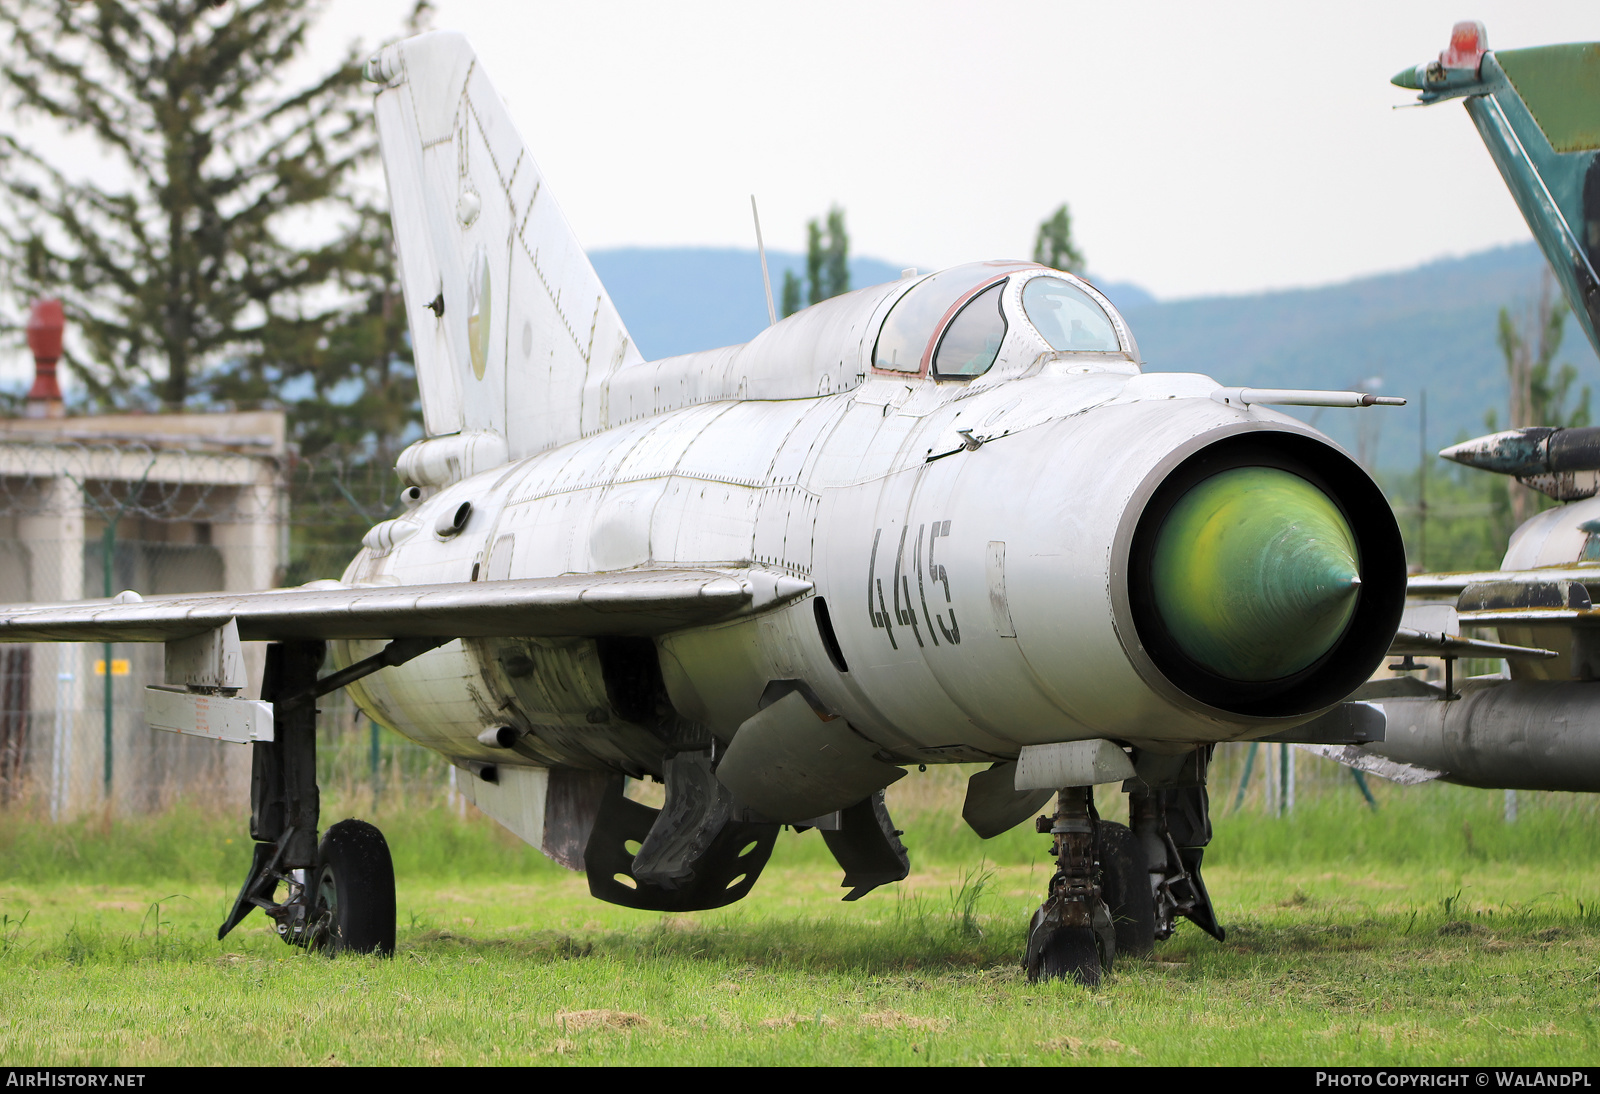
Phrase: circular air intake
[1266,575]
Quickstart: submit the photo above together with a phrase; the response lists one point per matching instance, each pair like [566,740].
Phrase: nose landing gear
[1072,933]
[1118,890]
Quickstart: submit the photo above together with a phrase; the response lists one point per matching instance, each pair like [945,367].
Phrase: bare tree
[1529,343]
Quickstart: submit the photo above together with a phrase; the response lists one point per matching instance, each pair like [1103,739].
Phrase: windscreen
[1068,317]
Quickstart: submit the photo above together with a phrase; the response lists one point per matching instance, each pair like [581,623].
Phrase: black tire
[1071,953]
[355,889]
[1125,887]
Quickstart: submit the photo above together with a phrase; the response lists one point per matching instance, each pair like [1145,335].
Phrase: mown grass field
[1431,932]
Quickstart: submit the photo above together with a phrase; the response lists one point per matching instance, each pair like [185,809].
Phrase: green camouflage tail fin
[1538,111]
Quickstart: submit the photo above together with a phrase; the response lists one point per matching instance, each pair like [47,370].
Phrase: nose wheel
[1069,953]
[1125,887]
[1118,889]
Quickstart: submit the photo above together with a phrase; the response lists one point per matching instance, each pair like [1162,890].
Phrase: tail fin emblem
[478,311]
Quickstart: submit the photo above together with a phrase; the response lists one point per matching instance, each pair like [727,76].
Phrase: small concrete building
[158,503]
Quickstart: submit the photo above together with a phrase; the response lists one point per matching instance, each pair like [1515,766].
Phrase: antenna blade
[766,280]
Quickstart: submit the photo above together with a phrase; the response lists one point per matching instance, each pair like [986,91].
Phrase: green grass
[1354,938]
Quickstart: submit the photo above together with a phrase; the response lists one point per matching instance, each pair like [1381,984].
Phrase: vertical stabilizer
[509,321]
[1538,111]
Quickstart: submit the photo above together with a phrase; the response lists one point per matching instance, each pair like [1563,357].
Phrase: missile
[1534,450]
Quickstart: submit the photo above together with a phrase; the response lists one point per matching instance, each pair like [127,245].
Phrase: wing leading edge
[642,603]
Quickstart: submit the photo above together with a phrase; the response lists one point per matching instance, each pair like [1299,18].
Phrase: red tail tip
[1468,43]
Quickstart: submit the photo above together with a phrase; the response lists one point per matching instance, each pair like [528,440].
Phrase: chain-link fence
[333,500]
[53,756]
[365,768]
[72,730]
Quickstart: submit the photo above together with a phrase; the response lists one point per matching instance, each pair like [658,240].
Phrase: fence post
[1288,778]
[377,769]
[61,753]
[1244,780]
[1366,791]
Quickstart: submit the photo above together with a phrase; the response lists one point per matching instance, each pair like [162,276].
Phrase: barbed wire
[342,488]
[158,484]
[173,484]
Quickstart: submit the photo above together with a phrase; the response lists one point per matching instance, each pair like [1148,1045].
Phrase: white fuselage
[972,589]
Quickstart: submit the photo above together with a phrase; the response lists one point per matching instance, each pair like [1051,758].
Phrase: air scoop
[1255,574]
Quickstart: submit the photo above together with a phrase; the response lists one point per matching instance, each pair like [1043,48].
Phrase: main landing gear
[1117,890]
[336,895]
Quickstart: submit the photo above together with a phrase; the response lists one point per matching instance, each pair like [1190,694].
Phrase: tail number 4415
[899,605]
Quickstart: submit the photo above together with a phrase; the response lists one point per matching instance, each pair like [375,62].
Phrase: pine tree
[816,276]
[1053,245]
[345,377]
[197,275]
[836,262]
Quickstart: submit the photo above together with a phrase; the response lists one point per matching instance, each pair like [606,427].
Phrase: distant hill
[682,299]
[1430,327]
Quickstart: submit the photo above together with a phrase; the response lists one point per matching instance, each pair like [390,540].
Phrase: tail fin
[508,318]
[1538,111]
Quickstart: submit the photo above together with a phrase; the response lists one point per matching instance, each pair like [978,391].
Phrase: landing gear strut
[1169,811]
[1116,889]
[338,895]
[1072,933]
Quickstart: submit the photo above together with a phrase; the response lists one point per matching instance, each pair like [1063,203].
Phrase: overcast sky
[1203,148]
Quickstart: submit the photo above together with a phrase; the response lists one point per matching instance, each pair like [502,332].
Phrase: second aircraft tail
[1538,111]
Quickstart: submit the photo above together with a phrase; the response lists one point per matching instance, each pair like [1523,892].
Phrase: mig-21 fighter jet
[944,519]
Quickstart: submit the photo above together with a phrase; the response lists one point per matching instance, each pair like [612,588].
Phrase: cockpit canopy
[951,324]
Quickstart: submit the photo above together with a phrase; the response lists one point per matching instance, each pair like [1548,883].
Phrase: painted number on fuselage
[899,607]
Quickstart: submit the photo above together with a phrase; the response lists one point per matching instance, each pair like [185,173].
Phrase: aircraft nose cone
[1255,573]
